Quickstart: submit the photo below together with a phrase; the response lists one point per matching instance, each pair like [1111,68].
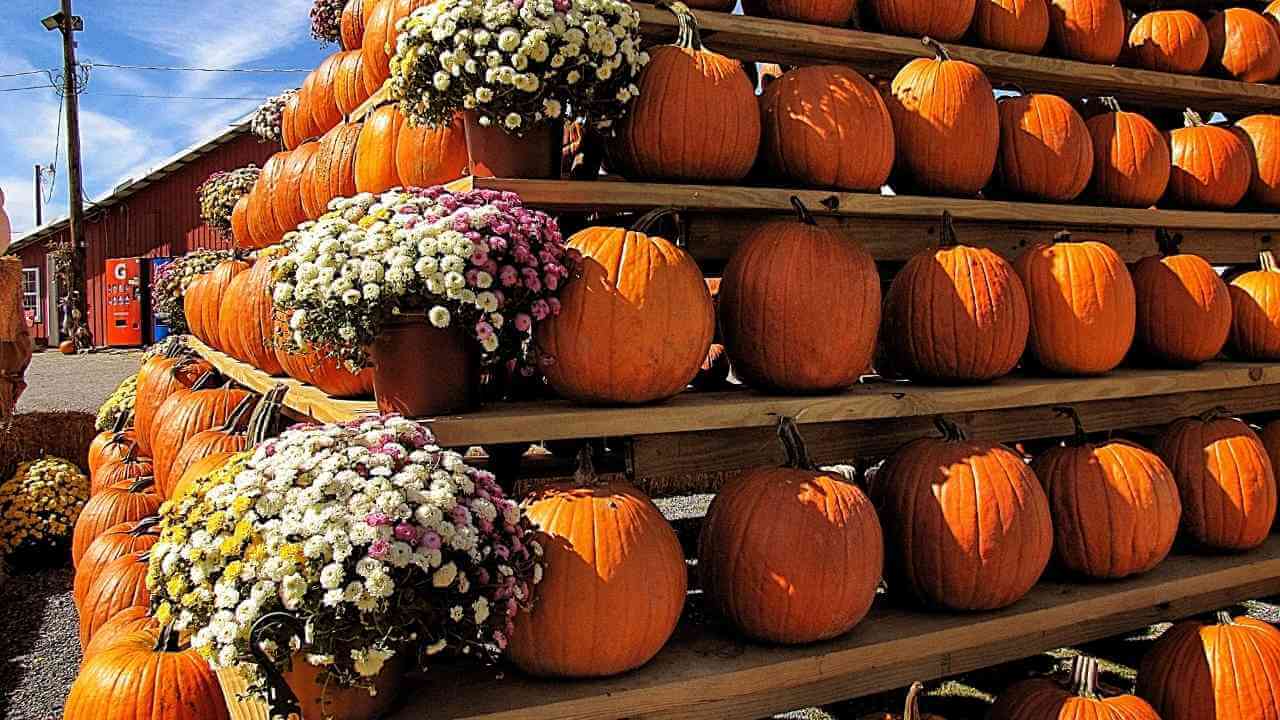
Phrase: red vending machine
[124,303]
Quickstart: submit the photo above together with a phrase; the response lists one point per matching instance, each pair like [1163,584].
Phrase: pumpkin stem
[1084,677]
[1062,236]
[236,415]
[121,423]
[939,52]
[647,221]
[206,381]
[1192,118]
[169,640]
[1110,103]
[690,37]
[145,526]
[911,711]
[265,415]
[1080,437]
[802,212]
[948,237]
[281,700]
[1224,617]
[146,482]
[585,475]
[793,444]
[1215,414]
[951,432]
[1267,260]
[1169,243]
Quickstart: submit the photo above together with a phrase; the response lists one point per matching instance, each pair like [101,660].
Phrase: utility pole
[40,195]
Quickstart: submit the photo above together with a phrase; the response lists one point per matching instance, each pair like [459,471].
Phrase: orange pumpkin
[1184,309]
[159,378]
[776,320]
[1045,148]
[376,170]
[1083,307]
[947,124]
[609,553]
[1212,166]
[1088,30]
[198,472]
[295,122]
[334,175]
[1255,311]
[126,469]
[955,314]
[1079,699]
[826,126]
[121,584]
[125,502]
[240,222]
[1173,41]
[943,549]
[248,317]
[746,553]
[379,42]
[285,189]
[1225,480]
[113,444]
[125,538]
[314,368]
[911,708]
[312,206]
[203,300]
[181,417]
[322,102]
[1244,45]
[121,625]
[945,21]
[427,156]
[1261,135]
[232,436]
[1012,25]
[635,322]
[696,119]
[816,12]
[349,89]
[1131,160]
[1224,671]
[352,24]
[262,208]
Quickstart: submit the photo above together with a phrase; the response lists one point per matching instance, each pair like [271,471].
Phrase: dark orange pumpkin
[181,417]
[1224,671]
[248,317]
[696,119]
[125,538]
[1184,309]
[286,189]
[1225,479]
[1261,135]
[817,12]
[826,126]
[376,150]
[232,436]
[947,125]
[311,204]
[1169,41]
[349,89]
[159,378]
[126,469]
[1079,699]
[1088,30]
[776,320]
[379,42]
[746,553]
[635,322]
[1013,25]
[294,122]
[121,625]
[1083,307]
[1131,161]
[322,102]
[121,584]
[1045,148]
[427,156]
[352,24]
[203,300]
[126,502]
[240,223]
[944,550]
[1212,166]
[1255,312]
[944,21]
[334,175]
[955,314]
[263,224]
[1244,45]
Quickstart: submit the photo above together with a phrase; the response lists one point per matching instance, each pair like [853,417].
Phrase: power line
[29,87]
[169,68]
[24,74]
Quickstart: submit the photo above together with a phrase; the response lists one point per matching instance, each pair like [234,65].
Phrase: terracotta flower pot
[317,701]
[494,152]
[420,370]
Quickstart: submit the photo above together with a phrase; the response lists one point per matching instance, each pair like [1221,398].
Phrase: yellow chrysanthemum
[176,586]
[292,552]
[164,613]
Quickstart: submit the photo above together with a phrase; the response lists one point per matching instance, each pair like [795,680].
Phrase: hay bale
[30,436]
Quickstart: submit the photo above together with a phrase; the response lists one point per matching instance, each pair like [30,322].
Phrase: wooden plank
[704,673]
[791,43]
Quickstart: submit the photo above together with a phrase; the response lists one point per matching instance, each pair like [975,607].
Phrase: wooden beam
[705,673]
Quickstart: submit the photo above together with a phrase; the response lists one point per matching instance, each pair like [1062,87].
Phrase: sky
[123,137]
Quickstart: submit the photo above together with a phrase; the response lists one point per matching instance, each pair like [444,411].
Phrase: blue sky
[125,136]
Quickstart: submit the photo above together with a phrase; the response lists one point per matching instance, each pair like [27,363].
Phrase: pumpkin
[334,175]
[1088,30]
[1225,480]
[123,502]
[1131,160]
[1013,25]
[1173,41]
[1078,699]
[349,89]
[943,549]
[1255,311]
[232,436]
[352,24]
[122,624]
[122,539]
[295,122]
[379,42]
[609,553]
[1045,148]
[376,147]
[826,126]
[248,317]
[313,368]
[955,314]
[750,571]
[1244,45]
[265,225]
[322,102]
[181,417]
[776,320]
[696,119]
[1212,167]
[946,122]
[312,205]
[258,211]
[911,708]
[816,12]
[1184,309]
[635,322]
[1083,306]
[144,676]
[285,189]
[1261,136]
[199,471]
[1114,505]
[240,233]
[427,156]
[119,585]
[1229,670]
[126,469]
[113,444]
[945,21]
[159,378]
[203,300]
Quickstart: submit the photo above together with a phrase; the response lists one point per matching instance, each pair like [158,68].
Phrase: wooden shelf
[791,43]
[706,674]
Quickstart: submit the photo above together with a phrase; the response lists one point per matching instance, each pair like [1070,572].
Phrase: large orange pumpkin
[635,322]
[376,170]
[126,469]
[334,175]
[1255,311]
[966,522]
[240,232]
[1045,148]
[1115,506]
[248,317]
[1080,698]
[113,444]
[427,156]
[1170,41]
[122,624]
[1225,479]
[746,553]
[1261,135]
[1184,309]
[1244,44]
[379,41]
[285,189]
[121,584]
[203,300]
[125,538]
[232,436]
[1013,25]
[696,119]
[1224,671]
[182,416]
[955,314]
[1131,161]
[1088,30]
[947,124]
[263,221]
[817,12]
[295,122]
[945,21]
[312,205]
[159,378]
[349,88]
[776,320]
[1083,307]
[314,368]
[126,502]
[826,126]
[609,553]
[322,102]
[352,24]
[1212,166]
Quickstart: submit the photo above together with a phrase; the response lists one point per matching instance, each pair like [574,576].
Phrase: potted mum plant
[516,70]
[427,286]
[325,563]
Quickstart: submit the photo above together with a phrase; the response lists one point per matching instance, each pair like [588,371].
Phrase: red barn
[153,216]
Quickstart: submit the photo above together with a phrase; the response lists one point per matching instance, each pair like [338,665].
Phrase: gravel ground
[75,382]
[41,646]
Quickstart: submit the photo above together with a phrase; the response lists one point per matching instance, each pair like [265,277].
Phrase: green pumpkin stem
[265,415]
[149,525]
[1084,677]
[948,237]
[237,415]
[939,51]
[802,212]
[646,222]
[911,711]
[951,432]
[142,484]
[793,445]
[169,640]
[206,381]
[1267,260]
[121,423]
[690,38]
[1110,103]
[1169,243]
[1192,118]
[1080,437]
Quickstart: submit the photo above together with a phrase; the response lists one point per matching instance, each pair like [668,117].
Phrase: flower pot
[317,701]
[494,152]
[420,370]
